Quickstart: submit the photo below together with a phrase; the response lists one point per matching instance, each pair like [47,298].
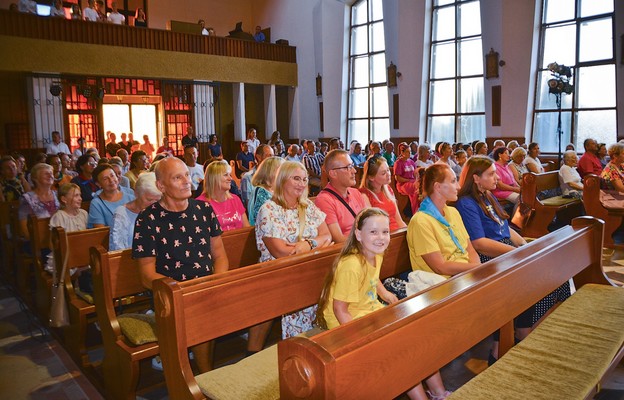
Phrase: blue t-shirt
[246,158]
[478,224]
[101,211]
[358,159]
[215,149]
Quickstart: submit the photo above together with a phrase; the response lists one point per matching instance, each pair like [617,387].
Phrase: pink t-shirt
[336,211]
[229,213]
[405,169]
[506,176]
[381,201]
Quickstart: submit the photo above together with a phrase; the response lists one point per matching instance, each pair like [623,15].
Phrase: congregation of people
[171,210]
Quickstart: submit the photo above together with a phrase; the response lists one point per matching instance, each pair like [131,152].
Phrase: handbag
[522,215]
[59,315]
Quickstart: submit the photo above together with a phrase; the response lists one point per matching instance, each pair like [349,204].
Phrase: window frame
[457,77]
[574,107]
[351,78]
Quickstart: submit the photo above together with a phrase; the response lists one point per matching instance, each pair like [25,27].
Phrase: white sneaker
[157,363]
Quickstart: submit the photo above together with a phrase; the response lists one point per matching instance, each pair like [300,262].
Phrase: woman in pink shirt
[228,208]
[405,173]
[376,186]
[506,187]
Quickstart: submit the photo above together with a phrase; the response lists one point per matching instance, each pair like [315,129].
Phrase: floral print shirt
[277,222]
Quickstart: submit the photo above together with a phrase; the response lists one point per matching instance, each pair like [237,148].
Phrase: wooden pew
[76,246]
[8,208]
[39,232]
[116,279]
[544,211]
[593,207]
[374,356]
[115,276]
[193,312]
[241,248]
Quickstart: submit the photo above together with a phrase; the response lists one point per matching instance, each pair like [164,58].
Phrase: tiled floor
[35,366]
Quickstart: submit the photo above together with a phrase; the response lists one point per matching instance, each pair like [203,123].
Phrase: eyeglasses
[347,167]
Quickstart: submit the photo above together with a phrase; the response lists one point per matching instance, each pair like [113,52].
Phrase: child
[351,288]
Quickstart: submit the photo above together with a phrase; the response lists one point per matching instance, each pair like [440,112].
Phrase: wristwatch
[312,243]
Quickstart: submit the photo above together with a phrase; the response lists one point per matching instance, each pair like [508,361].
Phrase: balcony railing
[47,28]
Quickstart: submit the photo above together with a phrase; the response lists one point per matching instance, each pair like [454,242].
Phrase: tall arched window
[577,34]
[368,114]
[456,106]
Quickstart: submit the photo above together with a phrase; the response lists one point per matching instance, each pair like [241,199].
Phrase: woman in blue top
[262,189]
[106,201]
[356,154]
[487,226]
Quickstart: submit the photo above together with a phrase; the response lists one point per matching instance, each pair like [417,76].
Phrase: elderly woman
[12,185]
[376,186]
[506,186]
[531,161]
[41,201]
[84,167]
[613,174]
[229,208]
[124,217]
[517,164]
[263,181]
[355,152]
[106,201]
[424,156]
[290,224]
[138,164]
[437,239]
[569,178]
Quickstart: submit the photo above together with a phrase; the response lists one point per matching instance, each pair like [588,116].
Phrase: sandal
[439,396]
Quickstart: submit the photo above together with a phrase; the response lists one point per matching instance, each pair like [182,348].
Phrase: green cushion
[564,357]
[85,296]
[138,328]
[558,201]
[255,377]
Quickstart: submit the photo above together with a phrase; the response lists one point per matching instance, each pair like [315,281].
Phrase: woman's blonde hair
[214,172]
[371,168]
[64,190]
[616,149]
[265,174]
[351,246]
[285,171]
[36,170]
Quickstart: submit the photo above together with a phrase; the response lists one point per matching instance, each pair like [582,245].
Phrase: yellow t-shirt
[355,284]
[426,235]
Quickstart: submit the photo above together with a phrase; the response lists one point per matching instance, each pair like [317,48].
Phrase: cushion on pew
[88,297]
[558,201]
[566,355]
[138,328]
[255,377]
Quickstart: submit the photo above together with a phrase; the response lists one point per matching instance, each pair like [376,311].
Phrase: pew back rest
[192,312]
[7,209]
[241,248]
[533,184]
[39,231]
[287,284]
[454,315]
[115,276]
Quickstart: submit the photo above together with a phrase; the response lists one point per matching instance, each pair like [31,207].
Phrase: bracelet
[312,243]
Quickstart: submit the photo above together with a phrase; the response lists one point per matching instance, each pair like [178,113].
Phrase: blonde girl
[351,288]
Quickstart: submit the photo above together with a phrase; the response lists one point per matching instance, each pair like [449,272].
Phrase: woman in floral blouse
[613,174]
[290,224]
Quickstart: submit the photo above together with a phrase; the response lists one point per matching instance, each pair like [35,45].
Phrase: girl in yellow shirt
[352,286]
